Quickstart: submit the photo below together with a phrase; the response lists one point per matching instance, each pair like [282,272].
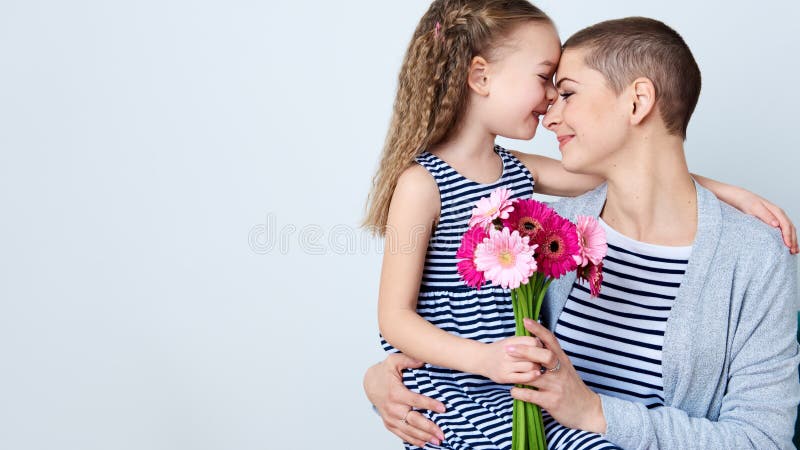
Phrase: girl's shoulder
[417,192]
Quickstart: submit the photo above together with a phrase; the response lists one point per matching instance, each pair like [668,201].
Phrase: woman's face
[521,86]
[589,119]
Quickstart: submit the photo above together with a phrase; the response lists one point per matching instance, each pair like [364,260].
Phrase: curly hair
[432,88]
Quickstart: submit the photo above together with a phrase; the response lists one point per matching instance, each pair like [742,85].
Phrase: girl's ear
[642,98]
[478,77]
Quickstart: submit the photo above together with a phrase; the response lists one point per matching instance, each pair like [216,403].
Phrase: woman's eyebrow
[565,79]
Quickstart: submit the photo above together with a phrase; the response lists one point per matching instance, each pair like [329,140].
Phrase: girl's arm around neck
[414,208]
[552,179]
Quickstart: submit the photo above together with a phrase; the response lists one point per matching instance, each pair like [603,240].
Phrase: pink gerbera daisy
[466,253]
[593,273]
[505,258]
[496,205]
[559,245]
[528,218]
[591,240]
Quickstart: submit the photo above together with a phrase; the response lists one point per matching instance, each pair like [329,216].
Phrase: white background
[142,146]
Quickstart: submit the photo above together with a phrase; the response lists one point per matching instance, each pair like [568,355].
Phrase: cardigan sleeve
[760,403]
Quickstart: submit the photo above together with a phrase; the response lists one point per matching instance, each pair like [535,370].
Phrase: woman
[692,342]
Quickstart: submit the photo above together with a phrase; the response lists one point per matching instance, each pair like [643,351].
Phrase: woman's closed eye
[565,95]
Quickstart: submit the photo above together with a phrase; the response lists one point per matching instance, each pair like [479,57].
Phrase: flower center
[491,212]
[554,247]
[528,226]
[506,258]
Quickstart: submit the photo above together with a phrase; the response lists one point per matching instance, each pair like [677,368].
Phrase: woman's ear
[643,99]
[478,77]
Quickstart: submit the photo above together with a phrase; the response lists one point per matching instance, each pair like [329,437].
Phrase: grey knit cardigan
[730,355]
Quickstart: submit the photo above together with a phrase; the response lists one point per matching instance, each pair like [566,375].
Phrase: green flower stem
[528,427]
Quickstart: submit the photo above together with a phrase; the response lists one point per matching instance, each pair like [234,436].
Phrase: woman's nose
[553,116]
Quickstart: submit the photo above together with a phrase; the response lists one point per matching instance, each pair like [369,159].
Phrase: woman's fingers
[541,356]
[531,396]
[401,361]
[543,334]
[407,437]
[423,429]
[419,401]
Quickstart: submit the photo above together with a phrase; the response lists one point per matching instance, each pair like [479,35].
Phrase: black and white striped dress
[615,341]
[478,410]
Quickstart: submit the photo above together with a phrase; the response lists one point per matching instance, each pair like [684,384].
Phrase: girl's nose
[551,93]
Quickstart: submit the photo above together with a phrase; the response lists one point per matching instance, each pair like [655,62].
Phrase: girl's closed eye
[544,77]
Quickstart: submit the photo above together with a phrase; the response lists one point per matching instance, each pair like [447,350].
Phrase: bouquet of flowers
[523,245]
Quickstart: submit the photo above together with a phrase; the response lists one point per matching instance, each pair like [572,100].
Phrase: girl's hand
[501,367]
[561,391]
[397,405]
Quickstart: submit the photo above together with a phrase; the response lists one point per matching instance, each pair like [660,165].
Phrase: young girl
[473,70]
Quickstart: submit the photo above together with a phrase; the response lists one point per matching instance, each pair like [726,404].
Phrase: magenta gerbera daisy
[505,258]
[559,245]
[496,205]
[591,241]
[593,274]
[528,218]
[466,254]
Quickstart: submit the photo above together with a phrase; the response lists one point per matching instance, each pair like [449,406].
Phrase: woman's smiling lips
[562,140]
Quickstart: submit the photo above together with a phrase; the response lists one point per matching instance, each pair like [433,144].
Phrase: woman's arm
[414,207]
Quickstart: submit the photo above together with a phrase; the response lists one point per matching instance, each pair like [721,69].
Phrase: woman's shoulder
[750,235]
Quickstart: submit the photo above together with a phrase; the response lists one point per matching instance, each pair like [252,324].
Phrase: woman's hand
[501,367]
[384,386]
[561,391]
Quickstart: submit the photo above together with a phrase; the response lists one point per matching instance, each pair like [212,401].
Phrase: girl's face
[520,84]
[589,118]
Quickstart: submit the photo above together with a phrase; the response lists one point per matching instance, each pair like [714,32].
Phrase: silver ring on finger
[403,420]
[555,368]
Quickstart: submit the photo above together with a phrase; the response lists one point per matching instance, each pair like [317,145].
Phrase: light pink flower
[496,205]
[505,258]
[592,241]
[466,253]
[559,245]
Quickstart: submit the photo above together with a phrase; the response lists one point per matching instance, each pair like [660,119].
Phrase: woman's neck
[651,195]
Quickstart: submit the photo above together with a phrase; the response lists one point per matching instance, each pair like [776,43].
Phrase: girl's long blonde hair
[432,86]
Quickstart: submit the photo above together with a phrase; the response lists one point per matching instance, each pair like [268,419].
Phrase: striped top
[458,197]
[615,341]
[479,410]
